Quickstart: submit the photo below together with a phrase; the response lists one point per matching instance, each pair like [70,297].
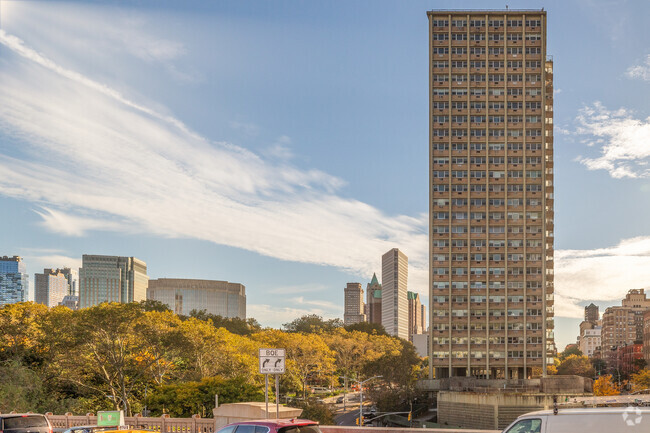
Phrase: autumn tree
[21,332]
[604,386]
[312,323]
[367,327]
[576,365]
[641,380]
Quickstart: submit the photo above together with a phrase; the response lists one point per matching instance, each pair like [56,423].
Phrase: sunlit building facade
[111,279]
[14,281]
[491,194]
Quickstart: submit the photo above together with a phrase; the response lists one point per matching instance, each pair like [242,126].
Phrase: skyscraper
[491,194]
[394,303]
[415,314]
[14,281]
[373,301]
[50,287]
[353,304]
[111,279]
[591,313]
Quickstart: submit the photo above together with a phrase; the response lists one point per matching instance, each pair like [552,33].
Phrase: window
[495,64]
[459,36]
[441,105]
[477,64]
[533,23]
[459,105]
[459,64]
[495,51]
[477,37]
[459,50]
[516,50]
[495,23]
[477,146]
[495,37]
[496,105]
[515,37]
[515,23]
[477,105]
[477,23]
[440,36]
[440,23]
[440,50]
[477,51]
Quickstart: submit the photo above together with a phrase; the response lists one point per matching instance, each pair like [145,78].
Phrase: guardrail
[165,424]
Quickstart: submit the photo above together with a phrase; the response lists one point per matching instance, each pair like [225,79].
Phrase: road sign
[271,361]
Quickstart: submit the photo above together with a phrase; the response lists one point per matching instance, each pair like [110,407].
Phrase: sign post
[272,362]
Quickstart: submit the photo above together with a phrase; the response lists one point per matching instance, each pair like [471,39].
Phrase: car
[24,423]
[83,429]
[272,426]
[593,420]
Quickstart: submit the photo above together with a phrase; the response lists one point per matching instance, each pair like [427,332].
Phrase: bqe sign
[272,361]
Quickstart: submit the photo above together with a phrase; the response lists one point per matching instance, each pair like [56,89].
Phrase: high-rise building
[50,287]
[373,300]
[623,325]
[415,315]
[220,298]
[591,313]
[354,309]
[111,279]
[491,194]
[394,302]
[646,337]
[14,281]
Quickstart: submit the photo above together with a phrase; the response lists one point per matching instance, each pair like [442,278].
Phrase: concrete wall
[490,410]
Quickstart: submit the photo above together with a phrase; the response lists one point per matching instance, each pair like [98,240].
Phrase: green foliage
[312,323]
[188,398]
[367,327]
[232,324]
[154,305]
[316,411]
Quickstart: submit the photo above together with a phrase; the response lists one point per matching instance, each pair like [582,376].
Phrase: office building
[373,301]
[394,302]
[591,313]
[14,281]
[50,287]
[415,314]
[220,298]
[491,194]
[111,279]
[354,308]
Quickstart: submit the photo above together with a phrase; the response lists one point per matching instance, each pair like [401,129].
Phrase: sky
[284,145]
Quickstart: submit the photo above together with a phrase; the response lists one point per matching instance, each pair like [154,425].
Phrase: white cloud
[602,274]
[275,317]
[96,159]
[624,141]
[641,71]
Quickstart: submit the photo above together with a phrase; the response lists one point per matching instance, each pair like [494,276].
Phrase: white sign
[271,361]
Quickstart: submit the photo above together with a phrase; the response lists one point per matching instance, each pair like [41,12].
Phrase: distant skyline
[283,145]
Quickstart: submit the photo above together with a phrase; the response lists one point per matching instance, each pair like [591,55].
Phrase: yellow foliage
[604,386]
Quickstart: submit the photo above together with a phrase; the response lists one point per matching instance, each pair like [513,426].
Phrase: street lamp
[361,397]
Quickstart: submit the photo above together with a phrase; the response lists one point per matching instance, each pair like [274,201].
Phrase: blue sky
[283,144]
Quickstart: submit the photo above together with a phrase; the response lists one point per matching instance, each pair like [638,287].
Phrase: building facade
[50,287]
[394,302]
[373,301]
[646,337]
[354,308]
[491,194]
[415,314]
[14,281]
[590,341]
[220,298]
[591,313]
[111,279]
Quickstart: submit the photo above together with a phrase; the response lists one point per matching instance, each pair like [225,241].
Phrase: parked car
[272,426]
[24,423]
[82,429]
[592,420]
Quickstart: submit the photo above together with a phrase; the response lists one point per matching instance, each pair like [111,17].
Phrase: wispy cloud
[602,274]
[641,71]
[94,158]
[303,288]
[623,140]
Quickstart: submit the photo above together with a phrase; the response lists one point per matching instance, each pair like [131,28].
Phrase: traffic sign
[271,361]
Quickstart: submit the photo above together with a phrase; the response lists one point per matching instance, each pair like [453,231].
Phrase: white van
[597,420]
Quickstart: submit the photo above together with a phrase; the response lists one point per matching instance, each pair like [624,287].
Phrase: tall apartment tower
[111,279]
[394,302]
[373,301]
[14,281]
[491,194]
[591,313]
[354,309]
[50,287]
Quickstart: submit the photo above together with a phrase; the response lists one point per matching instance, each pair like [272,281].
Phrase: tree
[188,398]
[154,305]
[367,327]
[641,380]
[576,365]
[316,411]
[604,386]
[21,332]
[234,325]
[312,323]
[571,349]
[599,365]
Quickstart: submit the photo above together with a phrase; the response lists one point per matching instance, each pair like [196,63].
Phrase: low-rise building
[590,341]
